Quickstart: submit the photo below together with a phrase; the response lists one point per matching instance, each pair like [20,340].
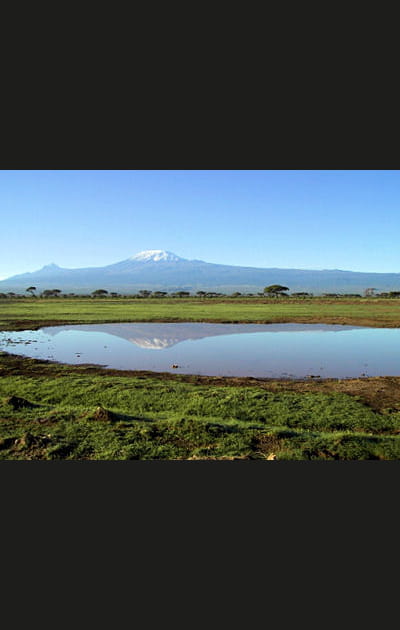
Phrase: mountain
[159,270]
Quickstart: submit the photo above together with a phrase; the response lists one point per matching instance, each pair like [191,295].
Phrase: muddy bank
[380,392]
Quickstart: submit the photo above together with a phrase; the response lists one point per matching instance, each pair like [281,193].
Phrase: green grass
[373,312]
[156,419]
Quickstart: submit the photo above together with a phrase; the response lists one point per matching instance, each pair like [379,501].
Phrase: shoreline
[32,324]
[378,392]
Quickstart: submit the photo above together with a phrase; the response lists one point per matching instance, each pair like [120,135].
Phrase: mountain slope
[162,270]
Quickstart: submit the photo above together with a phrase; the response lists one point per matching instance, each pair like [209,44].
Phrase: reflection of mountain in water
[161,336]
[154,343]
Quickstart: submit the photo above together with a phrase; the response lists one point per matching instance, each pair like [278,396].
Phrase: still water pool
[258,350]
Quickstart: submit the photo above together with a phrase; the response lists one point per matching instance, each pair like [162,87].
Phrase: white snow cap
[155,255]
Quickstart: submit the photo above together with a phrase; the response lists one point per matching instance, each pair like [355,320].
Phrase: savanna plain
[52,411]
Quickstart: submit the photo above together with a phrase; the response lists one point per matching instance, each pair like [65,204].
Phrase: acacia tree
[31,291]
[275,289]
[99,292]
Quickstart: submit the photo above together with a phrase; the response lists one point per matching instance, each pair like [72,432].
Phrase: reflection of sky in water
[288,350]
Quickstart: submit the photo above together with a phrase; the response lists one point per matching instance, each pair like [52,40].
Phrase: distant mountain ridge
[160,270]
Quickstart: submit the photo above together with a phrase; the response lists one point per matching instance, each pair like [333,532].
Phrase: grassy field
[31,312]
[50,411]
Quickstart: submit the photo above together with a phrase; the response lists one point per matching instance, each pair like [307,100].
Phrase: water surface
[259,350]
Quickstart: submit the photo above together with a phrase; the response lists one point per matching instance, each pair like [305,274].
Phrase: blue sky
[303,219]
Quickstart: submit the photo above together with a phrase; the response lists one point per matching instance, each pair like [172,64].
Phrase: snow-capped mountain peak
[155,255]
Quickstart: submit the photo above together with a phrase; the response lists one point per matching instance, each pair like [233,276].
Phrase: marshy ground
[52,411]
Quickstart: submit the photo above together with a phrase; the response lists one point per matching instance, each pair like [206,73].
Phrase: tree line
[271,291]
